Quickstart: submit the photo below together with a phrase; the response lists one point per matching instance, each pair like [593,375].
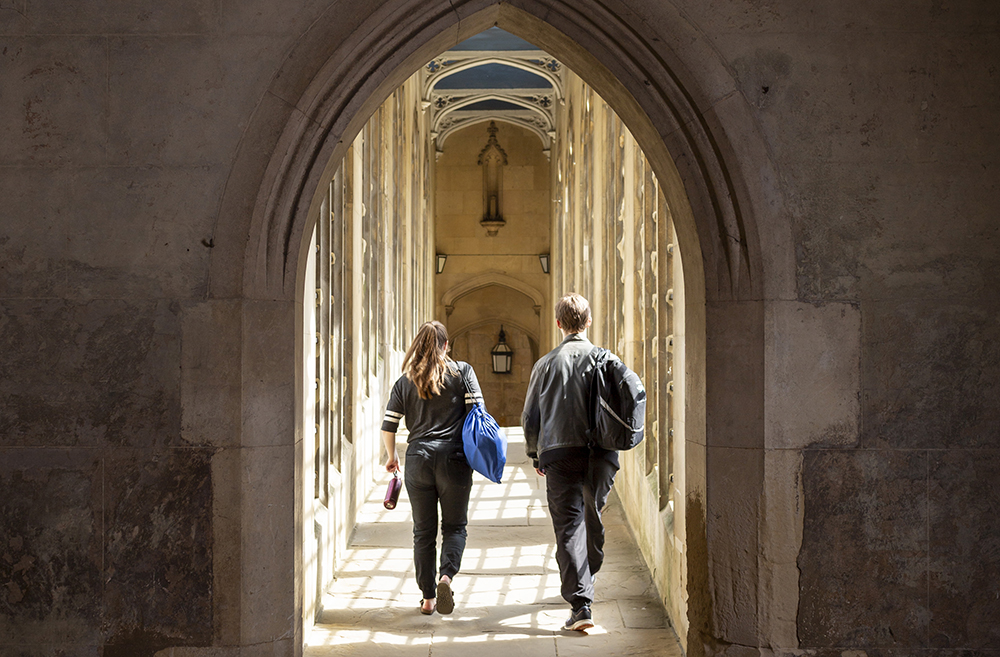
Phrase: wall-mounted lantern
[543,259]
[441,259]
[502,355]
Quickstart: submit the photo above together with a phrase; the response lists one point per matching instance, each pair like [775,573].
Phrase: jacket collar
[574,337]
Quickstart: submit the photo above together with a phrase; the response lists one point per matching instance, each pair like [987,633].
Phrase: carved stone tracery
[532,109]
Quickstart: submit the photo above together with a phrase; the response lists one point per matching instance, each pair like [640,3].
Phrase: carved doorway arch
[499,279]
[309,116]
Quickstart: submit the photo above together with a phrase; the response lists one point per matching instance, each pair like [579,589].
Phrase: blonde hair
[426,361]
[573,313]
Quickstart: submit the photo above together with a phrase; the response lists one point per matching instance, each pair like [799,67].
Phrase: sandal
[426,612]
[445,599]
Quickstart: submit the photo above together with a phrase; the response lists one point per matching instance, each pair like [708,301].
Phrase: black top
[442,416]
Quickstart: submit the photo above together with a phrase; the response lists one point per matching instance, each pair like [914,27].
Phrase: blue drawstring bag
[484,443]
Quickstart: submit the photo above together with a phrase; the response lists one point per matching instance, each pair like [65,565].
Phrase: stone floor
[507,598]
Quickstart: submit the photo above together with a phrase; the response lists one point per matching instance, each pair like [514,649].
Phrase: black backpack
[617,403]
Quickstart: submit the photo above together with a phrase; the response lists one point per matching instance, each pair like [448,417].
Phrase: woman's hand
[392,465]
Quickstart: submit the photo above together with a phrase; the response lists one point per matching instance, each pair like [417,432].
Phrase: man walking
[578,476]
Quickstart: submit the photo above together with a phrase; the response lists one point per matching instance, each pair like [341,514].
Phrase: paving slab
[507,600]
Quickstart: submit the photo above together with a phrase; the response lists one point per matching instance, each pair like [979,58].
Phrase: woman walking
[434,394]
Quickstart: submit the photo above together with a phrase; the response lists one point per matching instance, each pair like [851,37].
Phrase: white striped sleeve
[395,410]
[392,419]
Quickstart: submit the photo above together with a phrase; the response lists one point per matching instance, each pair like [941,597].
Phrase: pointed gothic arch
[455,293]
[515,59]
[679,101]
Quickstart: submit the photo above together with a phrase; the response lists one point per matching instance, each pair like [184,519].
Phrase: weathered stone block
[55,93]
[13,16]
[56,650]
[268,608]
[150,16]
[269,373]
[116,16]
[147,242]
[734,362]
[95,373]
[750,18]
[863,562]
[191,114]
[226,545]
[210,373]
[158,563]
[813,358]
[50,549]
[735,480]
[911,90]
[865,232]
[781,540]
[932,375]
[261,17]
[965,549]
[240,196]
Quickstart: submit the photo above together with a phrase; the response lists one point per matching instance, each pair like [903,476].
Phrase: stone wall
[881,381]
[614,243]
[160,166]
[368,281]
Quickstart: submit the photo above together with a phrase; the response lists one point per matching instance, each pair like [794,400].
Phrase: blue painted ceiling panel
[492,105]
[493,76]
[495,39]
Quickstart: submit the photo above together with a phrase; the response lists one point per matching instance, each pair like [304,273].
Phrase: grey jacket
[556,415]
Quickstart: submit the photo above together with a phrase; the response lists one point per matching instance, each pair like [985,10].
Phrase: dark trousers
[437,474]
[577,490]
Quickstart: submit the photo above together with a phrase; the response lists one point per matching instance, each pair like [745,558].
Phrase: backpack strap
[600,355]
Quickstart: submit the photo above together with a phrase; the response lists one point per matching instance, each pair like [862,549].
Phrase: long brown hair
[426,360]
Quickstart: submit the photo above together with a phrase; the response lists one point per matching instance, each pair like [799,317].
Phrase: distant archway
[485,280]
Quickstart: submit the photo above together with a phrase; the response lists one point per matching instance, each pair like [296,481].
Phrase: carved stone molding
[532,109]
[487,279]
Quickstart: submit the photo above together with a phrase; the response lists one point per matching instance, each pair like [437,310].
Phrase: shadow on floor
[507,600]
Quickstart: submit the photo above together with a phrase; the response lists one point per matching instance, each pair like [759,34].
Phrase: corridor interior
[493,181]
[507,594]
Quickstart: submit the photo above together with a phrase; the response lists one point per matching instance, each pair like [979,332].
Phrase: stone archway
[455,293]
[678,101]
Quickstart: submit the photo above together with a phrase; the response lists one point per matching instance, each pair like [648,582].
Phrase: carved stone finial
[493,144]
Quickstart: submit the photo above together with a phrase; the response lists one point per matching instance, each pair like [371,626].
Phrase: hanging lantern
[502,355]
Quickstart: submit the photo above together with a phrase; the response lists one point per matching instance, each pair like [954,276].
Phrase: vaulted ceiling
[493,76]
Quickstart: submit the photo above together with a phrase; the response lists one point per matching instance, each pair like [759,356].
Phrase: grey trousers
[577,490]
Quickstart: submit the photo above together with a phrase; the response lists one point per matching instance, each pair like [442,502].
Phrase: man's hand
[541,473]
